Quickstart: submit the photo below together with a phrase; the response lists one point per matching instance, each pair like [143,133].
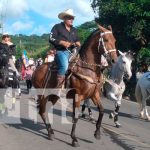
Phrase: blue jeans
[62,60]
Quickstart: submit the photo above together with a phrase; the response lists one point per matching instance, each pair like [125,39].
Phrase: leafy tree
[130,20]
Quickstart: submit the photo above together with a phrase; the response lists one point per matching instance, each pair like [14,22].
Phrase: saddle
[52,67]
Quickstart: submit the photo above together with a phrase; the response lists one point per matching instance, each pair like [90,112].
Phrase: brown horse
[86,78]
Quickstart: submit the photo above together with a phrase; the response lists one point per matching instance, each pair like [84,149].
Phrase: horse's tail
[138,93]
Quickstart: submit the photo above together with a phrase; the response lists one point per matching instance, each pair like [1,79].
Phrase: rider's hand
[78,44]
[65,44]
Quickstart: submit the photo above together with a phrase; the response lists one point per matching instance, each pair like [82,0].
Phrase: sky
[38,16]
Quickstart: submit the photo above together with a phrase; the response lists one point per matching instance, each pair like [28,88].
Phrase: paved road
[26,134]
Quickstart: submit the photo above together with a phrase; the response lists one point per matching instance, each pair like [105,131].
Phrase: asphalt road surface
[23,129]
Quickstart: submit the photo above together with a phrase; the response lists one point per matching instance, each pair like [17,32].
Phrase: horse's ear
[102,29]
[131,54]
[110,27]
[121,53]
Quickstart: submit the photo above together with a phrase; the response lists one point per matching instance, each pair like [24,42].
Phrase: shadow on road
[29,126]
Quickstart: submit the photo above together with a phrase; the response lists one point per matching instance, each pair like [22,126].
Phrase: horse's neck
[89,51]
[88,56]
[116,74]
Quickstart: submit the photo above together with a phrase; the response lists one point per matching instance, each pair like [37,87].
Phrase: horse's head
[124,61]
[100,43]
[107,44]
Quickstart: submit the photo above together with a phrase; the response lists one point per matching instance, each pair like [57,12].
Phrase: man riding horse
[64,37]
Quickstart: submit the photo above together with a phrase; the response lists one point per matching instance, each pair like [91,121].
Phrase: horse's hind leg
[146,113]
[86,104]
[44,115]
[143,105]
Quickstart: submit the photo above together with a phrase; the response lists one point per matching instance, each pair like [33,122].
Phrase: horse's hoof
[118,125]
[75,144]
[97,136]
[51,137]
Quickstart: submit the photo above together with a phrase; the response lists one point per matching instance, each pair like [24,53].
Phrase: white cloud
[40,30]
[18,26]
[49,8]
[14,10]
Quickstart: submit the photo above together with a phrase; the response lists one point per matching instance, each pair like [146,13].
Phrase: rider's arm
[55,40]
[53,37]
[66,44]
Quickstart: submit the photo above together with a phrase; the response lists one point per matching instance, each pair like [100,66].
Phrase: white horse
[142,93]
[115,86]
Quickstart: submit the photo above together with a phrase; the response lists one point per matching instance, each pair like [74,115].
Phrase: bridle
[106,52]
[101,40]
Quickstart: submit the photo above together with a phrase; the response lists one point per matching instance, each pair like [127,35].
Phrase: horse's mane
[84,45]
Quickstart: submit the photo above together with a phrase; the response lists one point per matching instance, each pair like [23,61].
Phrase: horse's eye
[124,62]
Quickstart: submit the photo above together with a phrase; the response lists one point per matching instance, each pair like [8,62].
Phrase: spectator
[28,77]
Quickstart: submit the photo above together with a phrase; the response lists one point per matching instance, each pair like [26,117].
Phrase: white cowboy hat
[68,12]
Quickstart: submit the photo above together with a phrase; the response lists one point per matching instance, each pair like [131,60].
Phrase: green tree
[130,20]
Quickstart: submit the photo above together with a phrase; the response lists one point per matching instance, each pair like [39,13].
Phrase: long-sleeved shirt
[59,32]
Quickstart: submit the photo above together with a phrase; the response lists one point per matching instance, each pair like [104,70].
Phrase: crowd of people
[28,65]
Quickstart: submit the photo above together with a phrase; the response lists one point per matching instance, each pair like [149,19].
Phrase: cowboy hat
[68,12]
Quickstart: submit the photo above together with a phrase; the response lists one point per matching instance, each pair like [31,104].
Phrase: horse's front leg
[116,112]
[76,105]
[98,103]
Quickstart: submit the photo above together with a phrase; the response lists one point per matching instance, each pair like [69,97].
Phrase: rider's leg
[62,58]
